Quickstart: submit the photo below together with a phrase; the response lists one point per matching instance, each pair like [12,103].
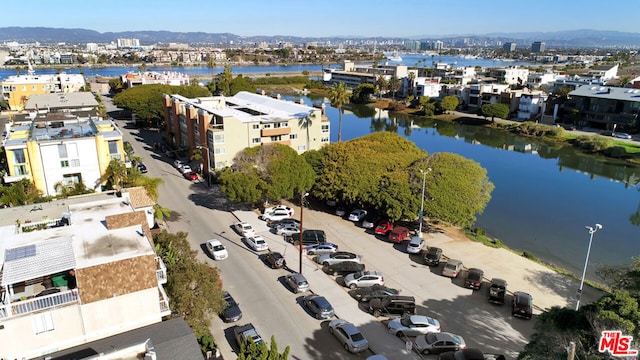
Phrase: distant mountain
[576,38]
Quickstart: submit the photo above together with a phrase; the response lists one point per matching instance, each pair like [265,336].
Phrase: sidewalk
[345,307]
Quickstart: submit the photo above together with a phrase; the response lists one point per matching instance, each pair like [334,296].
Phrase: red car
[398,234]
[384,227]
[190,175]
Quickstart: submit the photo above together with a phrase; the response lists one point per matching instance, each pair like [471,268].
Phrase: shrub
[593,143]
[529,255]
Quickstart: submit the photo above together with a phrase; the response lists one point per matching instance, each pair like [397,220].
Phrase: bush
[529,256]
[616,152]
[537,130]
[593,143]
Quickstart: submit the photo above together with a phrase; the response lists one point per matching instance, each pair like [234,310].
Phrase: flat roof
[61,101]
[606,92]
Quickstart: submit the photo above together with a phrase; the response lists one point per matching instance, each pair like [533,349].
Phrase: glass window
[218,139]
[62,151]
[256,126]
[18,156]
[266,126]
[42,322]
[218,151]
[20,169]
[325,128]
[293,136]
[256,140]
[325,139]
[113,147]
[64,163]
[302,148]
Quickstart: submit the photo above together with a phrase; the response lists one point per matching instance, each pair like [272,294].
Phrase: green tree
[225,81]
[64,190]
[495,110]
[115,175]
[394,85]
[427,105]
[266,173]
[116,85]
[412,79]
[362,93]
[21,192]
[381,85]
[240,83]
[339,96]
[211,64]
[253,351]
[449,103]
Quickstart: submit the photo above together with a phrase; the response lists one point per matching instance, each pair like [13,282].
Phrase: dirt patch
[451,231]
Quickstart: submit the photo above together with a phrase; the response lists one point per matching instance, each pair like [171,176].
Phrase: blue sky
[326,18]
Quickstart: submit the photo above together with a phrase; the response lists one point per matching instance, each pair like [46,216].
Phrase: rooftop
[605,92]
[61,100]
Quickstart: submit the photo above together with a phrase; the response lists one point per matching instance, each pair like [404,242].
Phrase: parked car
[432,256]
[343,268]
[257,243]
[373,292]
[348,335]
[332,202]
[398,234]
[141,167]
[319,306]
[497,291]
[474,277]
[185,168]
[245,332]
[415,245]
[622,135]
[297,282]
[284,208]
[341,211]
[452,268]
[231,312]
[309,237]
[370,220]
[275,215]
[286,230]
[413,325]
[324,248]
[463,354]
[393,305]
[288,221]
[178,163]
[336,257]
[190,175]
[275,260]
[244,229]
[383,228]
[216,249]
[522,305]
[363,279]
[436,343]
[357,215]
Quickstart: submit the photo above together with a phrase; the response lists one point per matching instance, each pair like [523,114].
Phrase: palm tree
[381,84]
[115,174]
[394,85]
[18,69]
[338,96]
[211,64]
[305,123]
[412,78]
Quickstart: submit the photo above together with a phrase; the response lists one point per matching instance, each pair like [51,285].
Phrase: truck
[245,332]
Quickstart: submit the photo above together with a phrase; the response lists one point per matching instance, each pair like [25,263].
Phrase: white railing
[161,271]
[26,227]
[39,303]
[165,310]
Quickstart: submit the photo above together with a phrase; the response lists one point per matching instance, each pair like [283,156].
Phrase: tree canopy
[252,351]
[146,100]
[495,110]
[362,93]
[266,173]
[449,103]
[339,96]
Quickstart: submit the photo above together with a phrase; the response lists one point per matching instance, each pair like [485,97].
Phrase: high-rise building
[509,46]
[537,47]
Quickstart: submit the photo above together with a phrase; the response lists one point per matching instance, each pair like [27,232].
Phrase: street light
[206,168]
[300,238]
[586,261]
[424,181]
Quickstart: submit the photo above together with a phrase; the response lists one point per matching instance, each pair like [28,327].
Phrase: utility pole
[300,234]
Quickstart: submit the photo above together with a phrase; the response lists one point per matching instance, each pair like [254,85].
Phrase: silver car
[452,268]
[362,279]
[415,245]
[297,282]
[337,257]
[322,248]
[349,335]
[436,343]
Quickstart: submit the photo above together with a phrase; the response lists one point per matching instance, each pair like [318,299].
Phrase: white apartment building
[172,78]
[226,125]
[512,75]
[424,86]
[531,105]
[541,80]
[73,271]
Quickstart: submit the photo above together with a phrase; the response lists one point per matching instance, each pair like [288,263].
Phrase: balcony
[275,132]
[161,271]
[164,302]
[14,178]
[27,306]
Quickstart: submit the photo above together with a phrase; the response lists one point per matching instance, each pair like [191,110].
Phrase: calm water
[544,196]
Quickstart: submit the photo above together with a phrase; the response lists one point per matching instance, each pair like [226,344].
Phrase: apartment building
[51,148]
[172,78]
[353,75]
[17,89]
[224,126]
[511,75]
[74,271]
[607,108]
[531,105]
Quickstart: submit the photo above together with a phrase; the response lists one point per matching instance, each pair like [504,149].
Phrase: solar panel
[20,253]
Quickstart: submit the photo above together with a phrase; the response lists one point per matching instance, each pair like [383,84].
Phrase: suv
[363,279]
[497,291]
[398,234]
[393,304]
[474,277]
[432,256]
[245,332]
[309,237]
[452,268]
[522,305]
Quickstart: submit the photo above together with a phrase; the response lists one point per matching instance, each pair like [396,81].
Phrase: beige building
[76,270]
[226,125]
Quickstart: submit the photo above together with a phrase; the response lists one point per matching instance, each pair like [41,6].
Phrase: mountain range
[563,39]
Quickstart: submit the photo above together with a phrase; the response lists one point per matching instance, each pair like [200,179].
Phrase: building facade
[224,126]
[608,108]
[538,47]
[85,271]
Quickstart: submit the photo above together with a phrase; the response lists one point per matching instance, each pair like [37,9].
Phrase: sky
[350,18]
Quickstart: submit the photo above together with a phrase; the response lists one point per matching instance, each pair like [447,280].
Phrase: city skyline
[373,18]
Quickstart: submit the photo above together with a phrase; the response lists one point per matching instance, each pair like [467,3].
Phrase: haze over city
[409,19]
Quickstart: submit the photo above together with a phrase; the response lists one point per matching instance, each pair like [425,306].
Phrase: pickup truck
[245,332]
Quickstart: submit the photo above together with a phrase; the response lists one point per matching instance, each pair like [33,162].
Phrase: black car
[319,306]
[393,305]
[275,260]
[373,292]
[141,167]
[432,256]
[463,354]
[343,268]
[522,305]
[474,277]
[309,237]
[497,291]
[231,312]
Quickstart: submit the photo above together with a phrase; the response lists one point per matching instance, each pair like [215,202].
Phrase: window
[42,322]
[256,126]
[256,140]
[293,136]
[62,151]
[71,179]
[113,147]
[219,165]
[218,151]
[64,163]
[325,128]
[18,156]
[218,139]
[276,138]
[302,148]
[266,126]
[325,139]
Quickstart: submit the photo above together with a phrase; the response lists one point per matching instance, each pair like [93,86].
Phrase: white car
[349,335]
[322,248]
[287,230]
[244,229]
[217,250]
[362,279]
[185,168]
[278,208]
[357,215]
[277,215]
[415,245]
[413,325]
[257,243]
[178,163]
